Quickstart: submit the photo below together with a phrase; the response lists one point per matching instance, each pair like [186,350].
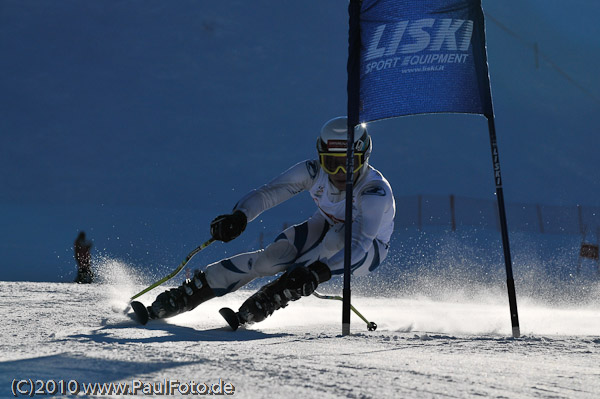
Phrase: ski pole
[371,326]
[174,272]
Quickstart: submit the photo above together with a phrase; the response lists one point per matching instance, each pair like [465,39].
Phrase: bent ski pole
[371,326]
[174,272]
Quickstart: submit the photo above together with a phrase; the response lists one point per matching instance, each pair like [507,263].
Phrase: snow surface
[459,346]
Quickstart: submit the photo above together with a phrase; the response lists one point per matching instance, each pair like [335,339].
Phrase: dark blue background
[139,121]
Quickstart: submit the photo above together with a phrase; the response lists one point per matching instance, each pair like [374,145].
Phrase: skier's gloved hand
[303,281]
[227,227]
[320,272]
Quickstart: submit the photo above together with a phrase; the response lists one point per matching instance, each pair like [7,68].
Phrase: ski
[141,313]
[231,318]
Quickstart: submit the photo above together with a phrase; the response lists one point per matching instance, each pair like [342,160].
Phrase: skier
[83,257]
[308,253]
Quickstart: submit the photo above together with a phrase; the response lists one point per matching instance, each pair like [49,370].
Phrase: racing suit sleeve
[296,179]
[374,202]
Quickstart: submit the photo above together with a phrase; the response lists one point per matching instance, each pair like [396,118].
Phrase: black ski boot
[177,300]
[291,286]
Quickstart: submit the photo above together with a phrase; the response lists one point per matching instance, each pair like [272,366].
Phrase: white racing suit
[321,237]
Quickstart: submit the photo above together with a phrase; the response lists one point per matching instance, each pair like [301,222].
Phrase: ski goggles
[333,162]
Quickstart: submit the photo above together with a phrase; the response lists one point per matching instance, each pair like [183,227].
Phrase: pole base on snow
[516,332]
[346,329]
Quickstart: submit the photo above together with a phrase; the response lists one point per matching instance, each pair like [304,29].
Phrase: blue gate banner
[422,56]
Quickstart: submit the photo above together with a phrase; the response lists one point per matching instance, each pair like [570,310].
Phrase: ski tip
[230,317]
[141,313]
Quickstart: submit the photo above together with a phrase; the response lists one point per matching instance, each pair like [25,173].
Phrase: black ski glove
[227,227]
[303,281]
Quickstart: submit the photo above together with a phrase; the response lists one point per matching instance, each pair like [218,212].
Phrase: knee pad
[281,251]
[275,258]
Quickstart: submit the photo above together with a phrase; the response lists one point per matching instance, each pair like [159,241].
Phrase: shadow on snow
[174,333]
[67,367]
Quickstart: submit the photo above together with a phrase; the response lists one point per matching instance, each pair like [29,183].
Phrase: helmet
[332,145]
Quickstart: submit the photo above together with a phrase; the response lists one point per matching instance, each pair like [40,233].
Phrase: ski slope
[423,348]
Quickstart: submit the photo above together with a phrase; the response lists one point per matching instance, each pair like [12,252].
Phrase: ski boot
[291,286]
[186,297]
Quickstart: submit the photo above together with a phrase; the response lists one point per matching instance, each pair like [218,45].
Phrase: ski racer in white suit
[310,252]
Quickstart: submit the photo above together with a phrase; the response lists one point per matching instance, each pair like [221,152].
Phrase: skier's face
[334,164]
[338,180]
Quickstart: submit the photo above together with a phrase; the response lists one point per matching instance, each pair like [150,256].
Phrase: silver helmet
[332,144]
